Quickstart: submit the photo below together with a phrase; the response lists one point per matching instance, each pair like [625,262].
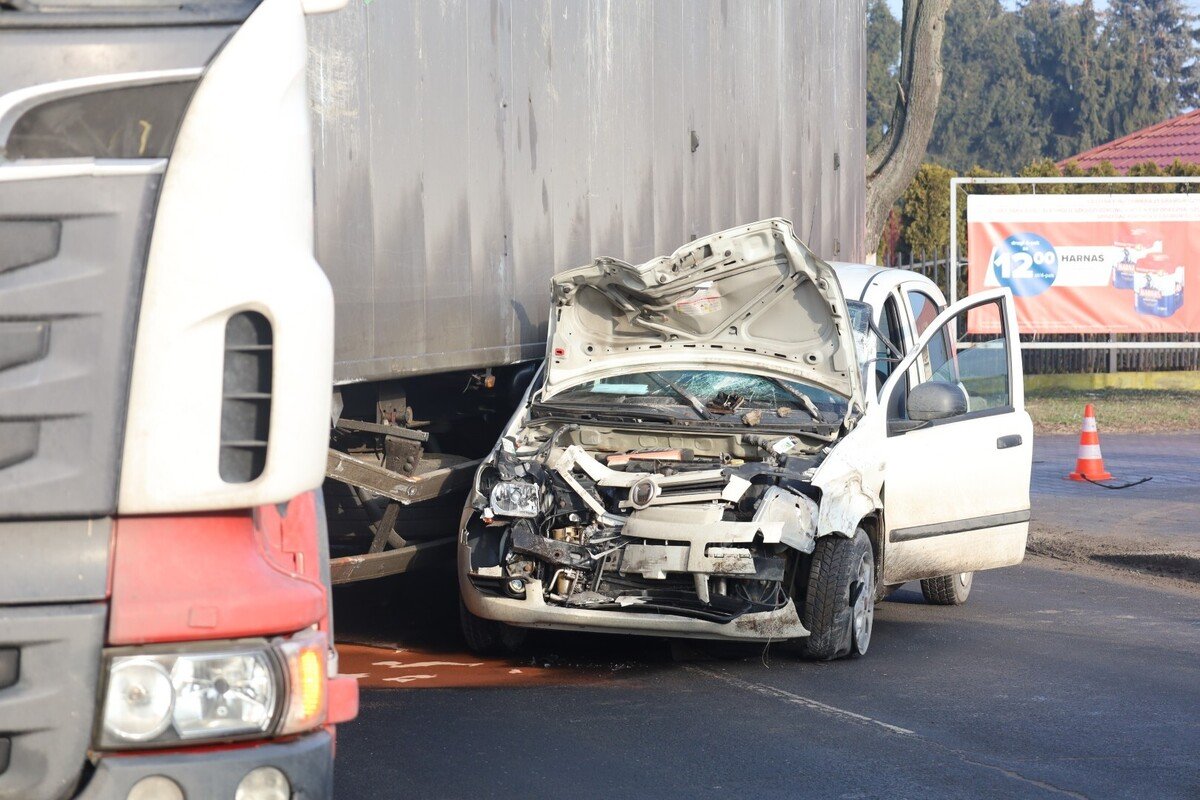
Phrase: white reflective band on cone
[1089,451]
[1089,424]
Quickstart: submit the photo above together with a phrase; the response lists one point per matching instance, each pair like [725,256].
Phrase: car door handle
[1005,442]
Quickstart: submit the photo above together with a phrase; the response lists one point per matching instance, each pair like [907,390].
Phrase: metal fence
[1042,353]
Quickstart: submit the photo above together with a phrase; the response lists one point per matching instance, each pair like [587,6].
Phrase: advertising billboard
[1088,263]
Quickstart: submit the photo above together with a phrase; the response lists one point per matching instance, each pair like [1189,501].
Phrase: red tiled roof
[1177,138]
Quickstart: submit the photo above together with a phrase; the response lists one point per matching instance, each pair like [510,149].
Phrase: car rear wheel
[839,600]
[948,590]
[487,637]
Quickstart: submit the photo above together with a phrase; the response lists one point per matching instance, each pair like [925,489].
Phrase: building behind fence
[936,267]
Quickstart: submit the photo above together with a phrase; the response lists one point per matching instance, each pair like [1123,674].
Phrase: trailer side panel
[467,151]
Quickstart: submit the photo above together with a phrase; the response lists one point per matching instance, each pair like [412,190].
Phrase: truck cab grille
[50,655]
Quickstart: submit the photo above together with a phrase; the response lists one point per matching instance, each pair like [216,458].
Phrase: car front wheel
[487,637]
[839,601]
[948,590]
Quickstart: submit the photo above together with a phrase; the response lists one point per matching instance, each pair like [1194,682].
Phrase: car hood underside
[752,298]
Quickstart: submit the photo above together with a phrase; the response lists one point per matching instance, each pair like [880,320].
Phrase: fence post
[1112,354]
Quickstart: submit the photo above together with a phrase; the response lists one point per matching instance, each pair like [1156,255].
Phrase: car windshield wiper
[683,394]
[616,411]
[804,399]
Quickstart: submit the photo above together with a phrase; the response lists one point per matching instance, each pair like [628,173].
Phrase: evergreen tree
[1152,74]
[989,112]
[925,209]
[883,56]
[1028,87]
[1053,77]
[1068,59]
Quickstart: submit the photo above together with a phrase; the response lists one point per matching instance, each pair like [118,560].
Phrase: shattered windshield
[708,394]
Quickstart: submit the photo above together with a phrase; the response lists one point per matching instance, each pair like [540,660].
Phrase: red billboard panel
[1098,263]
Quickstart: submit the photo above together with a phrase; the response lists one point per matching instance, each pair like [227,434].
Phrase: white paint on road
[852,716]
[425,664]
[800,700]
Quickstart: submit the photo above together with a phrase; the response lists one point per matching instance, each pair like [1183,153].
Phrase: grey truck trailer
[467,151]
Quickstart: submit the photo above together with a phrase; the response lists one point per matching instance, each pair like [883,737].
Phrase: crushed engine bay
[602,517]
[665,471]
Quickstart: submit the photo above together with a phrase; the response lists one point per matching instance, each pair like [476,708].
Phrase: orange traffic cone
[1090,464]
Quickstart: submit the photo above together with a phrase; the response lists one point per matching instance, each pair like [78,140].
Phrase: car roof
[857,278]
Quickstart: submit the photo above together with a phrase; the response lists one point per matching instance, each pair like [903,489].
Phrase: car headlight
[515,499]
[246,689]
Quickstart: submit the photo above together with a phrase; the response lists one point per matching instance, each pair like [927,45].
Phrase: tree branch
[892,164]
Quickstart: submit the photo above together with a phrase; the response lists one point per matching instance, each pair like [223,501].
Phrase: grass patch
[1117,410]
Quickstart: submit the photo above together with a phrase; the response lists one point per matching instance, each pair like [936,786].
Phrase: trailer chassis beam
[390,562]
[396,486]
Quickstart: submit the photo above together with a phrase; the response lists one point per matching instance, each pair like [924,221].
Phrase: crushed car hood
[752,298]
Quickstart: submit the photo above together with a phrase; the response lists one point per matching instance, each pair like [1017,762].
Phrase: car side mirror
[936,400]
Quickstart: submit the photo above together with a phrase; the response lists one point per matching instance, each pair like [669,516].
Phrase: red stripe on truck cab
[187,577]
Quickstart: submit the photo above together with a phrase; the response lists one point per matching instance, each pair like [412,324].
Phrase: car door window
[889,326]
[977,363]
[885,357]
[924,310]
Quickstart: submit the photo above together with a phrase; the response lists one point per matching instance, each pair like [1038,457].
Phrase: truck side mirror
[936,400]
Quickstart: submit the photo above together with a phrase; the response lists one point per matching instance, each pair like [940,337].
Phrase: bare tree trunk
[892,164]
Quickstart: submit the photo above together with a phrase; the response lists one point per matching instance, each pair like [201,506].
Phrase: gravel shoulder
[1166,570]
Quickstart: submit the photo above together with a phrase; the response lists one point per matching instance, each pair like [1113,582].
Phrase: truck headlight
[139,700]
[515,499]
[252,688]
[223,695]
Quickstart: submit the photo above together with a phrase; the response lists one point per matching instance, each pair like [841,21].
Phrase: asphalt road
[1053,680]
[1153,526]
[1162,511]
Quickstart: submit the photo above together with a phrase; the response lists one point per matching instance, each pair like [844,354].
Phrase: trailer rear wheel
[487,637]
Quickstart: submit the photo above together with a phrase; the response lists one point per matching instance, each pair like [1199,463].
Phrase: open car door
[959,447]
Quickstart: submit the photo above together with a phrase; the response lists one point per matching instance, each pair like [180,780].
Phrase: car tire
[487,637]
[839,600]
[948,590]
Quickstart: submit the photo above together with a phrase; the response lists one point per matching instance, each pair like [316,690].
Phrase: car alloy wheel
[863,611]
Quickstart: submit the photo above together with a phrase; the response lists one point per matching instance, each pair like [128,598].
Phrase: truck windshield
[715,392]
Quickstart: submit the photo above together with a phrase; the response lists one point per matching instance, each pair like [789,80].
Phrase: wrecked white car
[740,441]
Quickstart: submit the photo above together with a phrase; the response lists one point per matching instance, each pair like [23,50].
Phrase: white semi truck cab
[165,361]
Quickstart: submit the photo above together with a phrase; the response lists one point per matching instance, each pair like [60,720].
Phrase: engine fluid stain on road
[403,633]
[421,668]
